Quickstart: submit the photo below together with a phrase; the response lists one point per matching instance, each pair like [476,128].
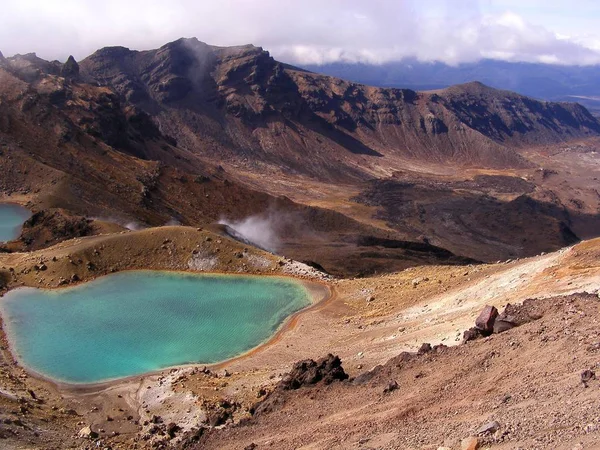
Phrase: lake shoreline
[319,293]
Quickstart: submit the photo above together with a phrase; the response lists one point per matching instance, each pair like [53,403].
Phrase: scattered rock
[485,320]
[490,427]
[87,433]
[470,443]
[391,386]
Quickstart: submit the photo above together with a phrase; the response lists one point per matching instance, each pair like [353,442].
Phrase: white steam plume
[259,230]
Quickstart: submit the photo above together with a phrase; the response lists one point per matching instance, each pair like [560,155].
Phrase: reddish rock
[425,348]
[471,334]
[391,386]
[501,325]
[470,443]
[485,320]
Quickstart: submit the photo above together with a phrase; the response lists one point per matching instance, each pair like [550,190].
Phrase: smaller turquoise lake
[12,218]
[135,322]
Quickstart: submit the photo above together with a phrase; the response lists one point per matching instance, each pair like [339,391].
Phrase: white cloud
[311,31]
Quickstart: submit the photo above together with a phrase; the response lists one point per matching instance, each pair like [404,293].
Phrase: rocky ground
[532,387]
[442,397]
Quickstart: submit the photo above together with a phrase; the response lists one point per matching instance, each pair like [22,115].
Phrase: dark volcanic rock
[304,373]
[309,372]
[391,386]
[70,69]
[53,225]
[520,314]
[471,334]
[485,320]
[425,348]
[502,325]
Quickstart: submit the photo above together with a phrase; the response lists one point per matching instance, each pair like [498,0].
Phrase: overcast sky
[314,31]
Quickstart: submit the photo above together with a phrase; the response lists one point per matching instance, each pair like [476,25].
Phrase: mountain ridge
[188,132]
[543,81]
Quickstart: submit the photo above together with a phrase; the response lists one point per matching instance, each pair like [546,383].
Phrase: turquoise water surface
[134,322]
[11,221]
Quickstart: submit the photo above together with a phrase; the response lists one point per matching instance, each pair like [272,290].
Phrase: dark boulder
[485,320]
[502,325]
[391,386]
[471,334]
[425,348]
[304,373]
[309,372]
[172,428]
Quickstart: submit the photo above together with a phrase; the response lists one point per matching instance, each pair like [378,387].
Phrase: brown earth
[527,379]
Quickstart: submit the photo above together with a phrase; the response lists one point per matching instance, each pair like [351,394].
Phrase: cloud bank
[311,31]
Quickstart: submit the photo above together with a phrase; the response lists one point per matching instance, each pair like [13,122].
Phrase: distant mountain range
[543,81]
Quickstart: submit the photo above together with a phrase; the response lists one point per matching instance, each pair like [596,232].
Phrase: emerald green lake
[135,322]
[11,221]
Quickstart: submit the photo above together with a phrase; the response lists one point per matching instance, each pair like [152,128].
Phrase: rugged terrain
[407,211]
[442,396]
[353,178]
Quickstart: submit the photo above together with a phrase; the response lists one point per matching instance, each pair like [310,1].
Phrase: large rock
[87,433]
[502,325]
[485,320]
[304,373]
[470,443]
[309,372]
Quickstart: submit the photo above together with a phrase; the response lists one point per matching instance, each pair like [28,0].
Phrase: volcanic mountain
[353,178]
[424,206]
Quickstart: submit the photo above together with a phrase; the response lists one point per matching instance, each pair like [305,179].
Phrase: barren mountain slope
[245,105]
[353,178]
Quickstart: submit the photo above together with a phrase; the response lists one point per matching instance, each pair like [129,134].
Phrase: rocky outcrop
[51,226]
[309,372]
[303,374]
[192,87]
[70,69]
[489,321]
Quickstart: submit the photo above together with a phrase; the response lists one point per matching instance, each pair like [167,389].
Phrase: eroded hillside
[352,178]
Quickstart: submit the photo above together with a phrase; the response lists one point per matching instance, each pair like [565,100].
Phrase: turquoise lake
[135,322]
[11,221]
